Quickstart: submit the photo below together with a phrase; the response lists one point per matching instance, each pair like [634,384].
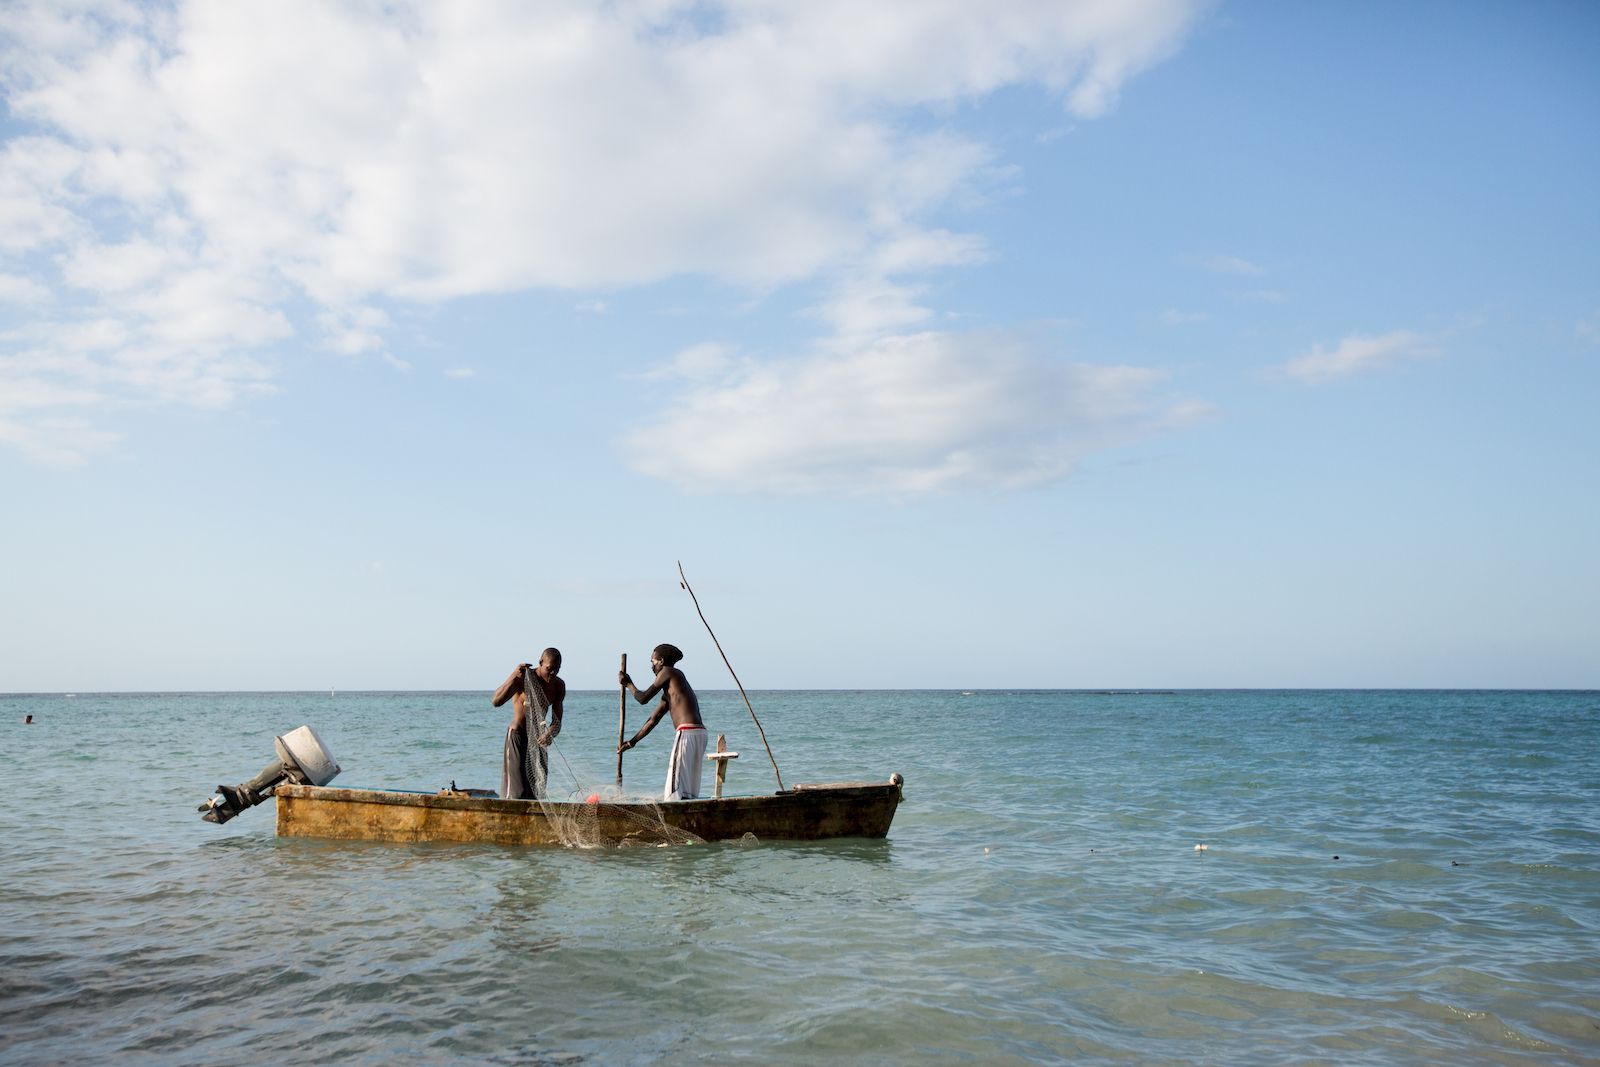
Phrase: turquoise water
[1039,898]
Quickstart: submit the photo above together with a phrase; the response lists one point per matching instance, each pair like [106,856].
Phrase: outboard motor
[302,758]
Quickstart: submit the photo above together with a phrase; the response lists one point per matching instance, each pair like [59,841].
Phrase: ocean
[1401,877]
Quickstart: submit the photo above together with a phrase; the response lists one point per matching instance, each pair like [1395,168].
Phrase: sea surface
[1388,878]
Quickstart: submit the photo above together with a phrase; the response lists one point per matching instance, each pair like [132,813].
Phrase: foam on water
[1040,897]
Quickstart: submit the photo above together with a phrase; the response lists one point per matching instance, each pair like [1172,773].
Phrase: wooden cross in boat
[721,757]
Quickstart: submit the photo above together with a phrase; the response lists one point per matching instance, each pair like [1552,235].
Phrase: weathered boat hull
[807,812]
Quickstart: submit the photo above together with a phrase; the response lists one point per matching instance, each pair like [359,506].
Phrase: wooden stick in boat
[622,724]
[684,581]
[721,757]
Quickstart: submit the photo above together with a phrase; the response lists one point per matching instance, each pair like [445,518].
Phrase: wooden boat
[803,813]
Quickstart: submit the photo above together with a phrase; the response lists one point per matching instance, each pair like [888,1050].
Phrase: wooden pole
[622,723]
[721,758]
[683,580]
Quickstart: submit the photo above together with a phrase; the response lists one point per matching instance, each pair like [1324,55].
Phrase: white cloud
[31,397]
[32,171]
[203,172]
[1589,329]
[904,415]
[18,289]
[459,373]
[1355,354]
[353,331]
[698,363]
[119,268]
[60,442]
[864,308]
[1231,265]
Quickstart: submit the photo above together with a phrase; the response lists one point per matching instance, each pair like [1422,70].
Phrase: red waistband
[691,726]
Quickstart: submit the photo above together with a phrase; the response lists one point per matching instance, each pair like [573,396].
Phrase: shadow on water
[875,852]
[315,850]
[520,917]
[522,894]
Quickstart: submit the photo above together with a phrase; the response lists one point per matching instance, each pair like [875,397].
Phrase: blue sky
[1136,344]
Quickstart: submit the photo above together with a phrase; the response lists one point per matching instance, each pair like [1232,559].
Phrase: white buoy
[1200,847]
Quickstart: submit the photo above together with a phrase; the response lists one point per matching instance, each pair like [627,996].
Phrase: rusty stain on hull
[807,812]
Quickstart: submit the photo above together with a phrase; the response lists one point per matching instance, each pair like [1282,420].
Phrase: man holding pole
[677,697]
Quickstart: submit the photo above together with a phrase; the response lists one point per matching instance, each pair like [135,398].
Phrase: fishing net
[597,816]
[603,824]
[535,758]
[590,815]
[524,771]
[602,816]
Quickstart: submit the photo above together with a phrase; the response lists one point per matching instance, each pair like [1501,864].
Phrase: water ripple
[1040,898]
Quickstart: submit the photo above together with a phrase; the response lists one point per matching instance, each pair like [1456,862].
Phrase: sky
[1102,344]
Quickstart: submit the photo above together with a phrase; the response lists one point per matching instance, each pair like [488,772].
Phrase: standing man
[689,742]
[533,691]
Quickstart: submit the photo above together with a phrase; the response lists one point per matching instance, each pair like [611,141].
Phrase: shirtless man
[527,758]
[689,742]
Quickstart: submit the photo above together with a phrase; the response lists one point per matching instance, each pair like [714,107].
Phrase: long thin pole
[684,581]
[622,723]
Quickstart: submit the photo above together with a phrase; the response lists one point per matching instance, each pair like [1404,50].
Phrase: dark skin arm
[512,685]
[557,690]
[643,696]
[676,697]
[513,689]
[649,724]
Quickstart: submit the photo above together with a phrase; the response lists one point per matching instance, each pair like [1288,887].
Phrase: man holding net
[533,691]
[689,740]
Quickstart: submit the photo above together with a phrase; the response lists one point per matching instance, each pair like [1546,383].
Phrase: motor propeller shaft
[302,757]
